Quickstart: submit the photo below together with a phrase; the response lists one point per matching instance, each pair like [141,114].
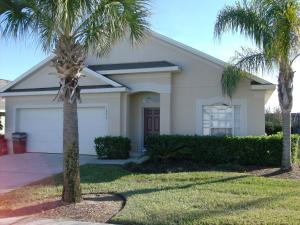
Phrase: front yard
[181,198]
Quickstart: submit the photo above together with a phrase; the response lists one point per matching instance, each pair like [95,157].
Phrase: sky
[190,22]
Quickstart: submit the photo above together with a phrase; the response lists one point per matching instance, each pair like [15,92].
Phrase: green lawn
[185,198]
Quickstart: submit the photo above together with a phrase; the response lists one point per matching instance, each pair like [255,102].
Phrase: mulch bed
[275,172]
[98,208]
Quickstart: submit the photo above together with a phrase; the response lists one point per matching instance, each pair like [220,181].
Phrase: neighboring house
[159,87]
[2,105]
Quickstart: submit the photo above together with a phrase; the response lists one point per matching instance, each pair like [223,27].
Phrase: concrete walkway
[19,170]
[39,221]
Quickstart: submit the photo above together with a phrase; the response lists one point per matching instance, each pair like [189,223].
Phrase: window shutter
[237,120]
[206,120]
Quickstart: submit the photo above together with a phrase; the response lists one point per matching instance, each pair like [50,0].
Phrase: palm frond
[110,20]
[230,80]
[245,19]
[15,18]
[246,62]
[252,61]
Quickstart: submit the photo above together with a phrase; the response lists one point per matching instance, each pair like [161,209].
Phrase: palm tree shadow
[90,174]
[275,173]
[30,210]
[169,188]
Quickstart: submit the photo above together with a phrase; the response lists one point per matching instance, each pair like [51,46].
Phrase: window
[221,120]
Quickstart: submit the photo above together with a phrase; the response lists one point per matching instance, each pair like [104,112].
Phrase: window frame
[232,120]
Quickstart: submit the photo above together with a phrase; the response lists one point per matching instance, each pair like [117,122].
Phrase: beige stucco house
[160,86]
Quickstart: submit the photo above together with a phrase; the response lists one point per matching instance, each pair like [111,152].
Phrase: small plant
[112,147]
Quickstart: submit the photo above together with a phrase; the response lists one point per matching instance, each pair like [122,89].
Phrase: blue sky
[190,22]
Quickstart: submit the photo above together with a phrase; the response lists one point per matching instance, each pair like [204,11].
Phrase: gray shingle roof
[57,88]
[128,66]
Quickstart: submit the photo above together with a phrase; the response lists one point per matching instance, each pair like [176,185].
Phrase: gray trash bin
[19,142]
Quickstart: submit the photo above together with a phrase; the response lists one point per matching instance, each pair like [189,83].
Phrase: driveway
[22,169]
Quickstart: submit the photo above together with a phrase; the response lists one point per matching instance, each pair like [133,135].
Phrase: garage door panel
[44,128]
[92,123]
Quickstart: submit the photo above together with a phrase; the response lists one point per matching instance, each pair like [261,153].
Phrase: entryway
[151,121]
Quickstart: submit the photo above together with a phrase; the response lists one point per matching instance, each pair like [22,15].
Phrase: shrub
[262,151]
[273,128]
[112,147]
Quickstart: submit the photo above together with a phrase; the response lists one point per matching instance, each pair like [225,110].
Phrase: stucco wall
[199,79]
[155,82]
[46,77]
[111,101]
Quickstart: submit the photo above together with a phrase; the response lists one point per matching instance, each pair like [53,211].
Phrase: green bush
[262,151]
[273,128]
[112,147]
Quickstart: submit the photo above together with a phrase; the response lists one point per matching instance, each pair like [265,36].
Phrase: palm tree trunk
[69,62]
[285,95]
[286,162]
[71,188]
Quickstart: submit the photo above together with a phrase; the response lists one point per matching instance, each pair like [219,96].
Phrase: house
[2,105]
[158,87]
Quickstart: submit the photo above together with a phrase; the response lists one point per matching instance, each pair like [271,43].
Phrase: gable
[152,49]
[45,77]
[156,47]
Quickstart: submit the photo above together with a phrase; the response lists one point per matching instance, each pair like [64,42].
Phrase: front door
[151,121]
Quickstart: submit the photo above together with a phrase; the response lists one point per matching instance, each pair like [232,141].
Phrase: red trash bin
[3,146]
[19,142]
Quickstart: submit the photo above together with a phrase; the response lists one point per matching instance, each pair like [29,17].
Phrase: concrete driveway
[22,169]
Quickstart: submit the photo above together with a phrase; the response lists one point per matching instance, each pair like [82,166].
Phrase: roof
[87,71]
[57,88]
[127,66]
[255,82]
[139,67]
[136,67]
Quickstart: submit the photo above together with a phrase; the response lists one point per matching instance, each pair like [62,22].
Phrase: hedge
[112,147]
[262,151]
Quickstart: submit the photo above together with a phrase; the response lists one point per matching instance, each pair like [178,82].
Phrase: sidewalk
[39,221]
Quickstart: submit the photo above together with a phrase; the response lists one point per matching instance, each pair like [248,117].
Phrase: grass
[182,198]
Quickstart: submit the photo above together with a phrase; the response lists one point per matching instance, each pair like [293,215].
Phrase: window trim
[232,119]
[241,102]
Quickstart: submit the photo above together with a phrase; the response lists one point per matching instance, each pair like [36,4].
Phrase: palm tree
[71,29]
[273,25]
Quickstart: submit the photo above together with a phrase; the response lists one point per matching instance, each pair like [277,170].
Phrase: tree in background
[72,28]
[273,119]
[273,25]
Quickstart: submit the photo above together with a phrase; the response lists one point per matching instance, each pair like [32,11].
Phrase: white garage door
[44,128]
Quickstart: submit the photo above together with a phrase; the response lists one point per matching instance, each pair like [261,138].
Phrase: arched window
[221,120]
